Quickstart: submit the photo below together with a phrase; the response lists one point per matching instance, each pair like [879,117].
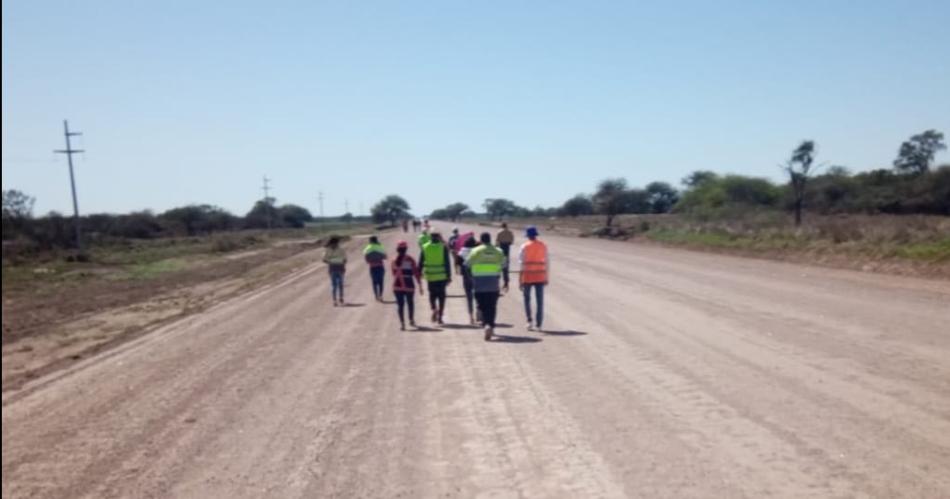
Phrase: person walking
[375,255]
[424,238]
[405,276]
[535,262]
[405,225]
[436,264]
[467,247]
[505,239]
[335,258]
[486,263]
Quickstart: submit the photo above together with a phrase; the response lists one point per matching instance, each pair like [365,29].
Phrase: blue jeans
[539,294]
[336,282]
[377,274]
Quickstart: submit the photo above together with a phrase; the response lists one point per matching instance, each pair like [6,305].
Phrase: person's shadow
[354,305]
[423,329]
[503,338]
[568,332]
[461,326]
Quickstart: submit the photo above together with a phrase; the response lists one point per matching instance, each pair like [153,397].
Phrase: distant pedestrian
[467,247]
[486,263]
[453,245]
[505,239]
[405,225]
[423,238]
[535,263]
[405,276]
[335,258]
[436,264]
[375,255]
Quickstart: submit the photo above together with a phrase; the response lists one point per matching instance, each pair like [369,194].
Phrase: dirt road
[663,374]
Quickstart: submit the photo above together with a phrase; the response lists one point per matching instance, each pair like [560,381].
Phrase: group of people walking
[482,264]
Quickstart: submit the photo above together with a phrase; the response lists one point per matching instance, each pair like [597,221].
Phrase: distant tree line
[55,230]
[912,186]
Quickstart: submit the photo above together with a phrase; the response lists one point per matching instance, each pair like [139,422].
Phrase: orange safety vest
[534,268]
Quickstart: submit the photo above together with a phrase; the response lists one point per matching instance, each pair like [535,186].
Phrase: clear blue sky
[191,102]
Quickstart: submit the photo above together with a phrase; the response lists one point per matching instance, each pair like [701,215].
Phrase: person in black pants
[467,283]
[405,276]
[486,264]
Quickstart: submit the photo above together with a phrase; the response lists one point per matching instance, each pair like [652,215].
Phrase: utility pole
[69,151]
[267,204]
[320,197]
[346,206]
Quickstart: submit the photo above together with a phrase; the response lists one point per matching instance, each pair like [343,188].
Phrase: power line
[69,151]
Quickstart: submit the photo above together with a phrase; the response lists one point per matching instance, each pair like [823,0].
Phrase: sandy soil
[663,373]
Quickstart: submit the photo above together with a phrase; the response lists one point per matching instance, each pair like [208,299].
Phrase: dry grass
[911,244]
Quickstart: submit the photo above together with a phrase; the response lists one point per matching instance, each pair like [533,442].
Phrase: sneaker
[488,333]
[412,323]
[530,326]
[402,327]
[435,316]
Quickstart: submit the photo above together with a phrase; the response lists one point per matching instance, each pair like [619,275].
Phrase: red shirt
[405,274]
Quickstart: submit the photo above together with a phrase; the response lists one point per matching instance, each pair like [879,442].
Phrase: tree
[499,208]
[839,171]
[916,154]
[580,204]
[612,198]
[291,215]
[662,197]
[199,218]
[728,193]
[798,167]
[263,215]
[698,177]
[454,211]
[17,205]
[17,211]
[390,209]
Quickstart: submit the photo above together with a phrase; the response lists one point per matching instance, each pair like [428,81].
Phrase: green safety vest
[424,239]
[486,261]
[434,266]
[374,248]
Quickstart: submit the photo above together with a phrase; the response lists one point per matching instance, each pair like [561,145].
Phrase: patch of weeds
[937,251]
[151,270]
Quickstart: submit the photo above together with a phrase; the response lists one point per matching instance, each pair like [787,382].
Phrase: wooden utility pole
[69,151]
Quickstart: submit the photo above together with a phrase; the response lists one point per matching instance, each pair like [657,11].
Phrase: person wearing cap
[535,261]
[375,256]
[335,258]
[486,263]
[405,276]
[505,239]
[436,263]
